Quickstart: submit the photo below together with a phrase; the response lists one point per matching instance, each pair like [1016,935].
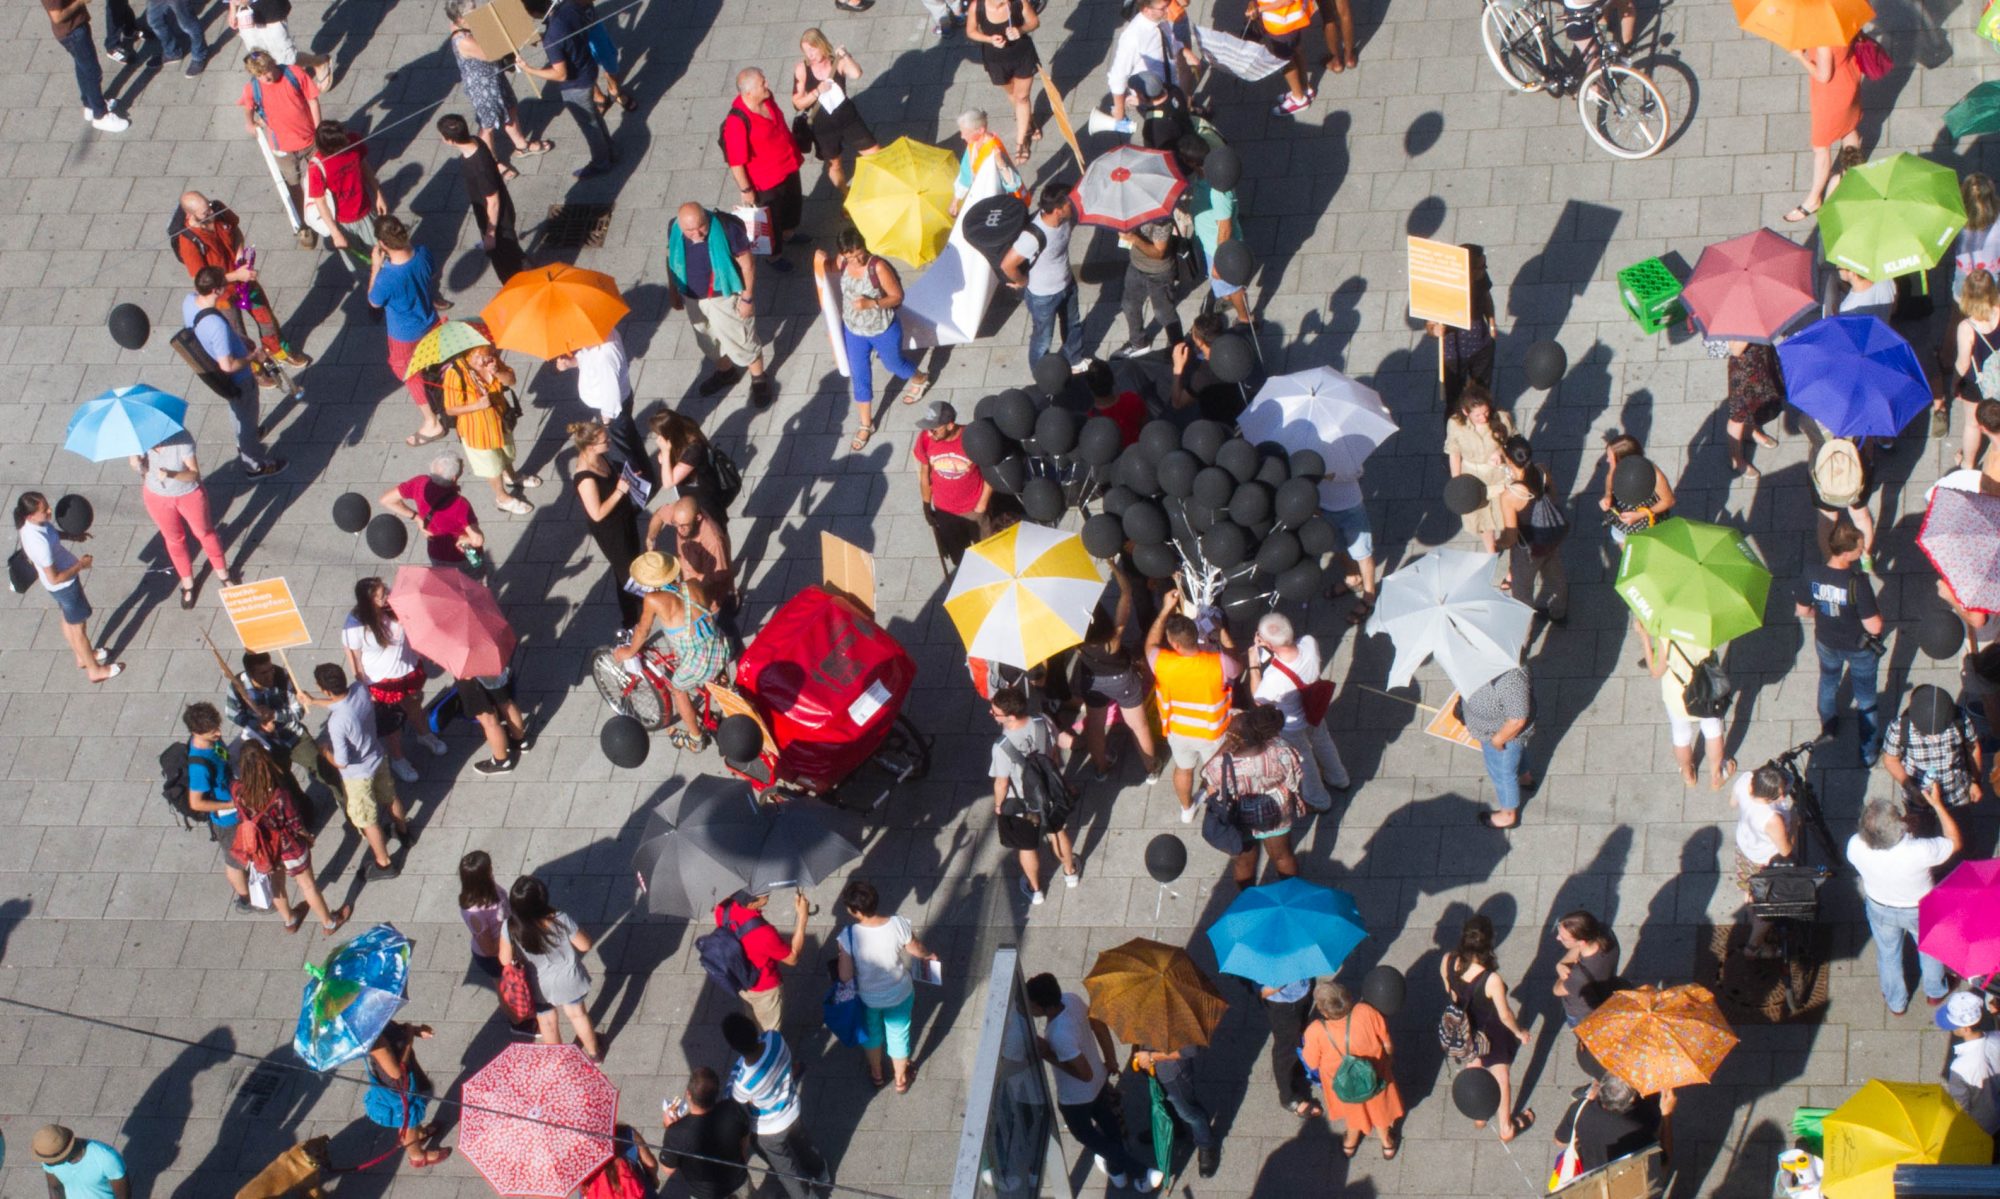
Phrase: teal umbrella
[1288,930]
[1978,112]
[124,421]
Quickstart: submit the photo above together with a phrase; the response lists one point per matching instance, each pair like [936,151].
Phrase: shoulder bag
[1316,696]
[1219,825]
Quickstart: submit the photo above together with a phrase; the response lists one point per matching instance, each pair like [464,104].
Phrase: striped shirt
[767,1086]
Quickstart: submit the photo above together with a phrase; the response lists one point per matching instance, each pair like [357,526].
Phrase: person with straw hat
[701,654]
[78,1168]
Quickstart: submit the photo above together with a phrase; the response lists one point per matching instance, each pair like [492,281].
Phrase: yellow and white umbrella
[1024,595]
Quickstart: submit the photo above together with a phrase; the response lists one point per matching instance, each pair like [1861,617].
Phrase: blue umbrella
[349,1001]
[1288,930]
[124,421]
[1855,375]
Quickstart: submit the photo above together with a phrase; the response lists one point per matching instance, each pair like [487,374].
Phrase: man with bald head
[757,145]
[713,276]
[208,234]
[566,40]
[701,543]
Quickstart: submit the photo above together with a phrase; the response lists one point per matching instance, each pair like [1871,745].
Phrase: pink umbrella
[538,1120]
[1961,537]
[1958,923]
[1127,187]
[1751,288]
[452,619]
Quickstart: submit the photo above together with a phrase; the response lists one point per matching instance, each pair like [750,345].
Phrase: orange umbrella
[1655,1039]
[1804,24]
[554,310]
[1152,994]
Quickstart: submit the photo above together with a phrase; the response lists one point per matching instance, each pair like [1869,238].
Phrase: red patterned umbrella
[1751,288]
[538,1120]
[1961,537]
[1127,187]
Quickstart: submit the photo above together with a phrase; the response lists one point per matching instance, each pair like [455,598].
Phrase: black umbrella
[720,841]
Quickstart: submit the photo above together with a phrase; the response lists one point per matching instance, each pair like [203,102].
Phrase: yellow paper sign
[502,28]
[265,615]
[1440,282]
[1446,726]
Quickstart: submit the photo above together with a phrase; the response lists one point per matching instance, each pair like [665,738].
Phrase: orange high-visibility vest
[1194,700]
[1281,17]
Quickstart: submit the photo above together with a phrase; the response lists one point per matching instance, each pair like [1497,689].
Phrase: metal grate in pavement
[576,226]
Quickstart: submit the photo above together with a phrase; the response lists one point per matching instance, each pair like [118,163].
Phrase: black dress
[1501,1043]
[842,131]
[1015,60]
[617,538]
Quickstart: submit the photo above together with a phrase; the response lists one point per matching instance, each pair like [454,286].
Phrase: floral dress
[1756,390]
[485,84]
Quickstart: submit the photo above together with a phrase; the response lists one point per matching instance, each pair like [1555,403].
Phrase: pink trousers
[175,515]
[399,361]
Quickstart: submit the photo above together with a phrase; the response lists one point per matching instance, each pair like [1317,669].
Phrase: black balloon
[984,407]
[1223,168]
[1042,499]
[1099,441]
[1239,458]
[1251,504]
[1295,502]
[1232,358]
[1200,518]
[1136,471]
[625,741]
[1464,494]
[1014,412]
[1272,471]
[1633,480]
[1055,430]
[1052,374]
[1225,546]
[1159,438]
[1155,561]
[1382,989]
[1144,523]
[1308,464]
[350,512]
[1009,474]
[74,516]
[129,326]
[984,443]
[1476,1093]
[1546,364]
[1213,486]
[1317,536]
[1166,857]
[1237,594]
[1103,535]
[739,739]
[1300,583]
[1176,471]
[1278,553]
[1203,438]
[387,536]
[1940,633]
[1116,499]
[1259,530]
[1233,263]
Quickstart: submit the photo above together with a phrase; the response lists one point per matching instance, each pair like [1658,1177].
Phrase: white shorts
[1191,753]
[1683,727]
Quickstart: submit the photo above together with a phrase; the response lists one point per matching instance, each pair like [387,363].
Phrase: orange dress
[1365,1034]
[1835,104]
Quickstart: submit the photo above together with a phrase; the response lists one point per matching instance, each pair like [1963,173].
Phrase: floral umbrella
[1657,1039]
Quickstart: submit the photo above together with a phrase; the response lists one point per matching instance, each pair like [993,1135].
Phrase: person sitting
[701,655]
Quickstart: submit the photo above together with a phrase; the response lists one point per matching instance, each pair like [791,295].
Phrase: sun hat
[52,1143]
[1962,1010]
[655,570]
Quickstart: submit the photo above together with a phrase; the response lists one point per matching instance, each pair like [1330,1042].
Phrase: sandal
[1389,1151]
[340,917]
[1350,1148]
[431,1158]
[420,438]
[298,918]
[624,101]
[914,390]
[1522,1123]
[876,1080]
[1306,1109]
[909,1079]
[539,146]
[508,174]
[682,740]
[1363,608]
[1799,213]
[1024,150]
[861,436]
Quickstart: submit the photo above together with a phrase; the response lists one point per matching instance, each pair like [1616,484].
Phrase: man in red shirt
[766,950]
[281,109]
[1124,407]
[341,184]
[210,235]
[955,491]
[757,145]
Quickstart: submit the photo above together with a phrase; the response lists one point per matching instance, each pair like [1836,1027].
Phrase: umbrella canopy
[1961,537]
[538,1120]
[1887,1124]
[446,341]
[1855,375]
[1695,583]
[1321,410]
[1804,24]
[1445,606]
[1655,1039]
[722,841]
[1289,930]
[1152,994]
[1977,113]
[901,198]
[1751,288]
[350,1000]
[124,421]
[1958,921]
[1891,217]
[1024,595]
[554,310]
[1127,187]
[452,619]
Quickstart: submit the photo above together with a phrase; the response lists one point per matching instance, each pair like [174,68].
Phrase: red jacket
[216,246]
[760,142]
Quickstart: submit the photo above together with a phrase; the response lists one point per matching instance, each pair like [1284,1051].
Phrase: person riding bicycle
[701,655]
[1580,23]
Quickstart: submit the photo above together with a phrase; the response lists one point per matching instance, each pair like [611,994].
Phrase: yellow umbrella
[901,200]
[1152,994]
[446,341]
[1024,595]
[1887,1124]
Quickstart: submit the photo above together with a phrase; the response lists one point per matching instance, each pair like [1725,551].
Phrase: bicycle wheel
[1514,45]
[1623,112]
[614,682]
[903,753]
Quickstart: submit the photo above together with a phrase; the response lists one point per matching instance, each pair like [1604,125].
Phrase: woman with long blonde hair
[1978,332]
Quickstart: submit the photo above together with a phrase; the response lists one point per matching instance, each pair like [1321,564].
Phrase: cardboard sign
[1058,108]
[1440,282]
[1446,726]
[847,569]
[265,615]
[501,28]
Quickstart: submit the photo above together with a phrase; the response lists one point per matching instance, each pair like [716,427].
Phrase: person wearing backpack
[1030,801]
[205,232]
[566,41]
[1251,792]
[1975,371]
[1284,670]
[202,314]
[1533,527]
[1485,1019]
[751,968]
[211,777]
[1349,1050]
[1037,265]
[1674,665]
[61,575]
[281,109]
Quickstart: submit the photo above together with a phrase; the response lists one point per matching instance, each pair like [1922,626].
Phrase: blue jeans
[121,25]
[1095,1126]
[89,72]
[596,134]
[1045,313]
[1178,1086]
[1889,926]
[1860,665]
[179,32]
[243,416]
[1503,767]
[861,366]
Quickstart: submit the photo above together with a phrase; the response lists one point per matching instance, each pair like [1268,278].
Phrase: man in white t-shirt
[604,384]
[1764,833]
[1282,665]
[1896,873]
[1037,266]
[1079,1048]
[61,573]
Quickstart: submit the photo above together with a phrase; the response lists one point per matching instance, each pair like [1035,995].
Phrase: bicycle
[1787,893]
[1619,105]
[641,693]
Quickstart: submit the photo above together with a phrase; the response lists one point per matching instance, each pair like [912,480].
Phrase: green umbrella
[1698,584]
[1163,1129]
[1892,217]
[1978,113]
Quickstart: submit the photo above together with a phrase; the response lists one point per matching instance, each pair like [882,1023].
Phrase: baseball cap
[1962,1010]
[939,413]
[52,1143]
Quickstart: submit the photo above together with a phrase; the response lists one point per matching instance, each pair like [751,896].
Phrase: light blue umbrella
[349,1001]
[1855,375]
[1284,931]
[124,421]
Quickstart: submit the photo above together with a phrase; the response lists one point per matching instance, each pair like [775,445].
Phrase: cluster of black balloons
[387,536]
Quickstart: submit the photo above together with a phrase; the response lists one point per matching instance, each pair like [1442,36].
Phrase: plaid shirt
[1942,758]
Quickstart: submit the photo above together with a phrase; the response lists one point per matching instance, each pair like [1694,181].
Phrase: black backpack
[728,478]
[1709,690]
[174,782]
[1543,523]
[723,959]
[188,345]
[1043,796]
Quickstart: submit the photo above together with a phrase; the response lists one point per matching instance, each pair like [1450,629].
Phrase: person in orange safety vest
[1191,685]
[1285,23]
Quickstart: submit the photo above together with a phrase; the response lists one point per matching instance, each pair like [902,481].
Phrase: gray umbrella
[721,841]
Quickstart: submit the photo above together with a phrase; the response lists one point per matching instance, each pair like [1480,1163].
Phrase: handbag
[1568,1163]
[1355,1080]
[1870,58]
[1219,826]
[1316,696]
[260,890]
[802,132]
[516,996]
[842,1010]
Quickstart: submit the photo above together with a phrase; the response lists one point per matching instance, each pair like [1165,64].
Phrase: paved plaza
[110,912]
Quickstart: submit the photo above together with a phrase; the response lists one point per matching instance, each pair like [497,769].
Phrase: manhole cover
[575,226]
[258,1088]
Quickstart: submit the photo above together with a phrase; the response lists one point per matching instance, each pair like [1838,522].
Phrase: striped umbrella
[1024,595]
[1127,187]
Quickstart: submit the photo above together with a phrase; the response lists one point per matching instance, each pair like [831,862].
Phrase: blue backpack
[722,956]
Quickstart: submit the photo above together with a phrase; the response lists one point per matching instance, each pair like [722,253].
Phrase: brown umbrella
[1655,1039]
[1153,994]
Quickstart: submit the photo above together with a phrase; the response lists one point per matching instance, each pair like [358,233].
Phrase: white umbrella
[1323,410]
[1445,606]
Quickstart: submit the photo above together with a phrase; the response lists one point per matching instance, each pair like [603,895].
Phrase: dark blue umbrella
[1855,375]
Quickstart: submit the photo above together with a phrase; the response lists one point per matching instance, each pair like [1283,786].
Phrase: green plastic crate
[1651,294]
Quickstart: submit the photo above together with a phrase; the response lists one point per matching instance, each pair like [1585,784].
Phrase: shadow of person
[151,1134]
[1590,889]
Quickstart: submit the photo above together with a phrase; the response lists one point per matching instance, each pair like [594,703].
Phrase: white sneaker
[1187,814]
[1100,1165]
[110,122]
[430,742]
[1071,880]
[1153,1180]
[403,770]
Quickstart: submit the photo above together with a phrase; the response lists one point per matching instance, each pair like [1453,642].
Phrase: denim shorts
[71,603]
[1353,525]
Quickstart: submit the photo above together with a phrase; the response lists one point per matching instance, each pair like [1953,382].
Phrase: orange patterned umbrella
[1656,1039]
[1152,994]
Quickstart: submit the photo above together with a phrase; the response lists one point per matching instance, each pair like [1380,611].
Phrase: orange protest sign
[1440,282]
[1446,726]
[265,615]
